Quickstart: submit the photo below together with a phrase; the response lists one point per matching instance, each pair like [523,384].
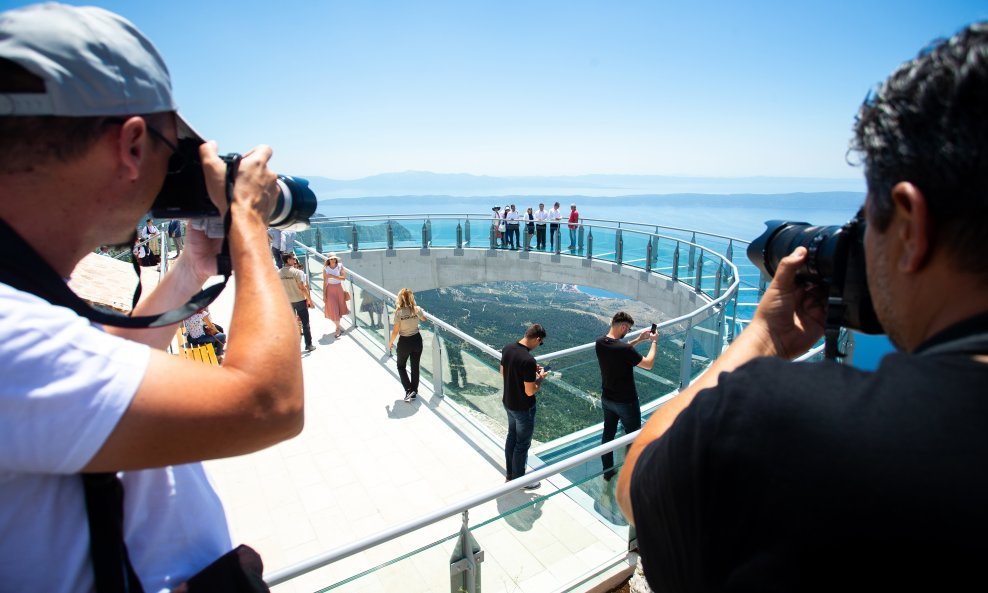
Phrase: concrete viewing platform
[367,460]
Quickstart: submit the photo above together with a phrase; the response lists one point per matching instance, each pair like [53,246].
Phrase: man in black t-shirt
[522,380]
[619,398]
[764,475]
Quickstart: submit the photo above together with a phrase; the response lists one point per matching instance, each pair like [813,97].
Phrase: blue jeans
[572,238]
[630,415]
[521,425]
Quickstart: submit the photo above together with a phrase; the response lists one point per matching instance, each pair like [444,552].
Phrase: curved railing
[466,368]
[463,372]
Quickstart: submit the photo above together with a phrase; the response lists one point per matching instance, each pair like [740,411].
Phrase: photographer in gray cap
[89,130]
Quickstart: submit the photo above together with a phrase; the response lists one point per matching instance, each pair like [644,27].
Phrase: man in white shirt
[540,217]
[81,399]
[513,236]
[554,219]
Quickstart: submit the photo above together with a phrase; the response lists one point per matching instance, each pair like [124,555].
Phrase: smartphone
[547,369]
[654,327]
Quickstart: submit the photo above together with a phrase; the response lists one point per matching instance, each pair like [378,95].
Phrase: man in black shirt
[619,397]
[522,380]
[769,475]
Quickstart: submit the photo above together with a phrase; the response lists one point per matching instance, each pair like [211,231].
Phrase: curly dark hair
[928,125]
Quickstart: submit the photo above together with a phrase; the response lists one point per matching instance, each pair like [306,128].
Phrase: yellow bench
[204,353]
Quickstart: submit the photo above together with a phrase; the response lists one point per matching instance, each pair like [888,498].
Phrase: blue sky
[701,88]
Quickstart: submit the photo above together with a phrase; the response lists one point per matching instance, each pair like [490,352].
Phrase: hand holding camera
[791,314]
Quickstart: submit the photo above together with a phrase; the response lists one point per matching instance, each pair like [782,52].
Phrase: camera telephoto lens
[835,259]
[295,206]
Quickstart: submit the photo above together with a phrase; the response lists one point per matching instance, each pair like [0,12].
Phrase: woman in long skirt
[407,316]
[334,297]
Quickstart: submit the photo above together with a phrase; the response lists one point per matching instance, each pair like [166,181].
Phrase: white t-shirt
[65,386]
[554,215]
[541,216]
[332,274]
[513,216]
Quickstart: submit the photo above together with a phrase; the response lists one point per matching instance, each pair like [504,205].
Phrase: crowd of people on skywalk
[509,224]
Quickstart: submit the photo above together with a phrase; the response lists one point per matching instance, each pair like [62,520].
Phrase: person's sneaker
[310,347]
[534,486]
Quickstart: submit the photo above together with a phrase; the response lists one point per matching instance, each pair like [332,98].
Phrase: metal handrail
[728,293]
[383,292]
[344,551]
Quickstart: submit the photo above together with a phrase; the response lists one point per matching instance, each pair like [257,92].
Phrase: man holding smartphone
[619,397]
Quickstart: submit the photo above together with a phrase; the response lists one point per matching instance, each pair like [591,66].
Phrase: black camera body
[184,194]
[835,260]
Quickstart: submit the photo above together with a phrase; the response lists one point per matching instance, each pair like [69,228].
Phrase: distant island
[423,183]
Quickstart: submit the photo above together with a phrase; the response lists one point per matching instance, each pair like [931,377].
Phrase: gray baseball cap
[93,63]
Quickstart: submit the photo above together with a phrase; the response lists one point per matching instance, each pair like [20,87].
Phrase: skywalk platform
[367,460]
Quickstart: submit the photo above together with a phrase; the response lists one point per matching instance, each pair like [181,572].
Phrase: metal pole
[734,318]
[353,238]
[391,236]
[686,363]
[425,237]
[493,238]
[698,282]
[717,280]
[428,224]
[675,263]
[618,247]
[459,236]
[579,238]
[466,230]
[692,252]
[590,244]
[648,258]
[319,239]
[437,363]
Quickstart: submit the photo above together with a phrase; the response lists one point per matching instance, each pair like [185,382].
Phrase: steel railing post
[698,281]
[675,263]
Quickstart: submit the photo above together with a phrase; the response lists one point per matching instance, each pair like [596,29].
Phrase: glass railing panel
[472,379]
[530,542]
[540,541]
[417,563]
[706,345]
[371,314]
[603,243]
[408,232]
[635,248]
[333,236]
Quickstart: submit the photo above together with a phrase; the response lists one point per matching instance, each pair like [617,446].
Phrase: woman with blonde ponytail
[406,324]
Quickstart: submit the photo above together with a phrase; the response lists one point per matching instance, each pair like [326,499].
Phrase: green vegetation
[499,313]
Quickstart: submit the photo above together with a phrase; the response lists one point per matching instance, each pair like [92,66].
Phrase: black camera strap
[22,268]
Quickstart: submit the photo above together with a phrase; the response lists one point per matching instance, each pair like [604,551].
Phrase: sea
[740,216]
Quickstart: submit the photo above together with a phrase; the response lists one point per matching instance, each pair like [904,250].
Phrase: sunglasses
[177,161]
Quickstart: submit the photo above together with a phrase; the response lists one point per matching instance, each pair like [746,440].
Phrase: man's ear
[912,225]
[131,150]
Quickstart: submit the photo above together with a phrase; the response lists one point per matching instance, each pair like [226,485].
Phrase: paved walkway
[366,461]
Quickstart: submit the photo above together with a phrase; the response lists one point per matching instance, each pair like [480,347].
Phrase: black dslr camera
[184,194]
[835,260]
